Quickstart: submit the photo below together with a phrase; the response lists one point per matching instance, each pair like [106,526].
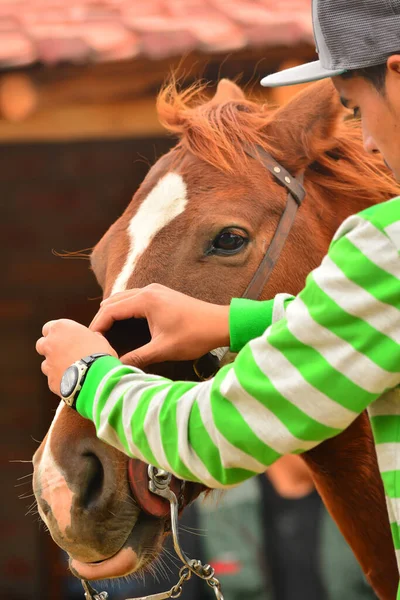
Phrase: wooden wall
[61,197]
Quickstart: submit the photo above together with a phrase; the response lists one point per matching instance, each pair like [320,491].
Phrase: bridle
[159,493]
[295,197]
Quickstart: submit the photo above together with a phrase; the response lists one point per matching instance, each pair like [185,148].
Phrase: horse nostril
[92,480]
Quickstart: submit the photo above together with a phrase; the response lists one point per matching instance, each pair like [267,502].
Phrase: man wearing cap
[307,376]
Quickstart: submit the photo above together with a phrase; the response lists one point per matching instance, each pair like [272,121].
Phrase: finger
[40,346]
[46,327]
[142,357]
[44,367]
[118,311]
[120,296]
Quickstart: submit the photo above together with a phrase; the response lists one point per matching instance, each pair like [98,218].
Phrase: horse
[200,223]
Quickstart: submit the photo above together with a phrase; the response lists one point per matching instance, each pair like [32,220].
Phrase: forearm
[223,431]
[219,432]
[168,424]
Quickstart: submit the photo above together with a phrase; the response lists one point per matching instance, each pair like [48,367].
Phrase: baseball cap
[349,34]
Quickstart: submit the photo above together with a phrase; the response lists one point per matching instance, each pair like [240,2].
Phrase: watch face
[69,381]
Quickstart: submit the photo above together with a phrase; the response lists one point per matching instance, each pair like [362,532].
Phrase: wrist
[220,326]
[74,377]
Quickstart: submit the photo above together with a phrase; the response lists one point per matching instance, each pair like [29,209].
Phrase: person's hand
[64,342]
[181,327]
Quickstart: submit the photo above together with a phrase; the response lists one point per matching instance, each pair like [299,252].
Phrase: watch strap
[89,360]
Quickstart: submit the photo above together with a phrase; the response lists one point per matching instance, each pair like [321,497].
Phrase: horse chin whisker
[166,566]
[21,484]
[83,254]
[35,440]
[25,496]
[24,476]
[193,531]
[32,509]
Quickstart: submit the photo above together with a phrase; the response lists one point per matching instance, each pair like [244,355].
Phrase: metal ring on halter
[159,481]
[158,486]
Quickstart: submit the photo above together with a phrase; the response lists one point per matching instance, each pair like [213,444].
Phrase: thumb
[143,356]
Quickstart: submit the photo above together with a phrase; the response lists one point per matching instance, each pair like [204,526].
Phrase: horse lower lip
[119,565]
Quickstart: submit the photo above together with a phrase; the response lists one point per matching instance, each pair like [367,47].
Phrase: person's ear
[393,64]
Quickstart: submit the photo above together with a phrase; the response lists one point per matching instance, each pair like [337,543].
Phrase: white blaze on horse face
[53,487]
[166,201]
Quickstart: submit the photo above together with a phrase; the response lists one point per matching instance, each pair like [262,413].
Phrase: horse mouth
[124,562]
[139,549]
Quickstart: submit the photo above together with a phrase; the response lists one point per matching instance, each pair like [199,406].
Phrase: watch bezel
[80,369]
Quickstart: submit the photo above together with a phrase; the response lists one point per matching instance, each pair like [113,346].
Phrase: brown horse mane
[218,132]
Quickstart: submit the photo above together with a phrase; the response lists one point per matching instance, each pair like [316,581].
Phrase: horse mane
[218,132]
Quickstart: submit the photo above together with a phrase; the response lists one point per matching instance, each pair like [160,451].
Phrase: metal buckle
[159,481]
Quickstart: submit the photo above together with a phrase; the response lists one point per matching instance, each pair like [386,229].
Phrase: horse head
[201,222]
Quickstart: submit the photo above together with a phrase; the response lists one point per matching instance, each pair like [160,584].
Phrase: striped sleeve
[305,379]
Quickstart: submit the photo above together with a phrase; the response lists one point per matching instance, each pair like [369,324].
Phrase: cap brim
[312,71]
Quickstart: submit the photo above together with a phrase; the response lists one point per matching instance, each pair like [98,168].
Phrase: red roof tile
[52,31]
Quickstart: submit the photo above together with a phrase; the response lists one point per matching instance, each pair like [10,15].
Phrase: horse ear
[227,90]
[305,128]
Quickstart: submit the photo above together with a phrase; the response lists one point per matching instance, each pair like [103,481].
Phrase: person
[299,380]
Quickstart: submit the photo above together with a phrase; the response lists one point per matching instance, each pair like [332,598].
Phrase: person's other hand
[64,342]
[181,327]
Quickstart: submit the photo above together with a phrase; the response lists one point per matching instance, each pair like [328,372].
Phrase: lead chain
[184,575]
[159,481]
[175,592]
[216,586]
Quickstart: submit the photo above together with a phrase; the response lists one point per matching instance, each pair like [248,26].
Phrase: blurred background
[78,132]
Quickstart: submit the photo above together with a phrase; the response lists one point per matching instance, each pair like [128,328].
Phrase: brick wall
[62,197]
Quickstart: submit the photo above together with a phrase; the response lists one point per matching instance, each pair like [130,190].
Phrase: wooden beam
[115,100]
[112,120]
[131,79]
[134,119]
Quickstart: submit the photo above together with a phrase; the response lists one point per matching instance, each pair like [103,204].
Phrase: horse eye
[228,242]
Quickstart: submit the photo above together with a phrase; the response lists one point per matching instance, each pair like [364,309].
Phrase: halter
[159,493]
[295,197]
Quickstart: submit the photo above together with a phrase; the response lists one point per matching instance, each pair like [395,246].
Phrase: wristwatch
[74,376]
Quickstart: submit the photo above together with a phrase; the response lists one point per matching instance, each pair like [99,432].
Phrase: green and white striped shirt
[305,378]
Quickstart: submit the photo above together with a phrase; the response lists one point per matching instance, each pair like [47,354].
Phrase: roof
[53,31]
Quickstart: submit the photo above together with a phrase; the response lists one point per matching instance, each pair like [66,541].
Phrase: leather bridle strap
[296,194]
